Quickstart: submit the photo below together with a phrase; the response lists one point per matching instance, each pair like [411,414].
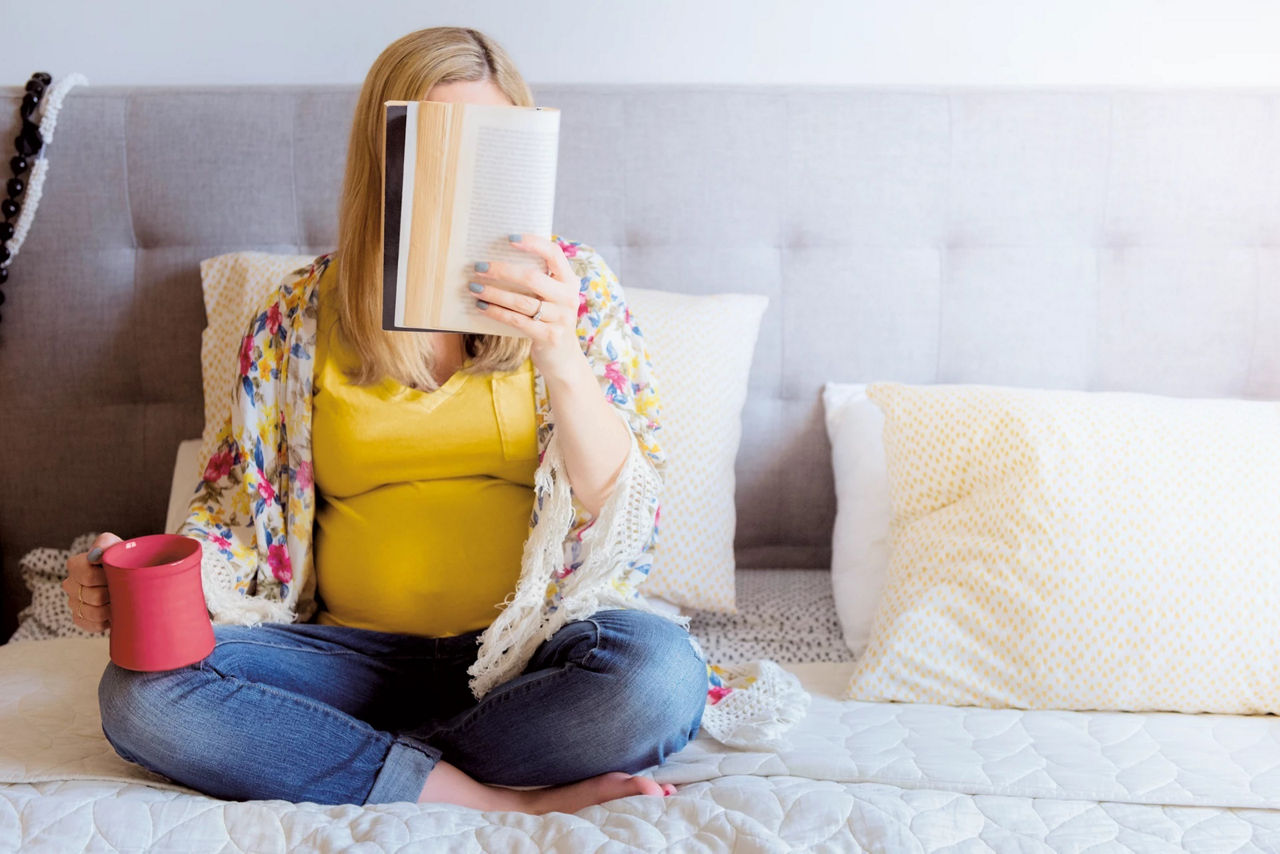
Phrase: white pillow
[860,538]
[701,348]
[187,472]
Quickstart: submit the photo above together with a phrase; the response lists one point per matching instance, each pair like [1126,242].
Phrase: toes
[668,789]
[646,785]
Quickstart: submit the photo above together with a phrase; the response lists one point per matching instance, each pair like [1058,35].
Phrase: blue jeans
[337,715]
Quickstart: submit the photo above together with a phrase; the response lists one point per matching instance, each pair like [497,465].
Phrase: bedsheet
[852,776]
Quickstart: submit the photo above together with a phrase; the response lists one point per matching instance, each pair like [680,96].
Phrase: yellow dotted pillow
[1076,550]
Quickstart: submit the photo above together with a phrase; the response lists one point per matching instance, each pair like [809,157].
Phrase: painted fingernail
[482,266]
[514,238]
[481,304]
[475,288]
[95,554]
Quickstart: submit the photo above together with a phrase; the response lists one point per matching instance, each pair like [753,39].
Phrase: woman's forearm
[595,442]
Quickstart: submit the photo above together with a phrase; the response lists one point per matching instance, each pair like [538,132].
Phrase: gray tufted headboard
[1083,239]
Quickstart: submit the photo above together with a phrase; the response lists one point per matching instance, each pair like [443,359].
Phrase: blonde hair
[407,70]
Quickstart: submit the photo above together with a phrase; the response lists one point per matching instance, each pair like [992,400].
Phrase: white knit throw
[511,639]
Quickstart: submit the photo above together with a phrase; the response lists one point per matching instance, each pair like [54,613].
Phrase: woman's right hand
[86,586]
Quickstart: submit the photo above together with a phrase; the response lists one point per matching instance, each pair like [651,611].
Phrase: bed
[1105,240]
[853,776]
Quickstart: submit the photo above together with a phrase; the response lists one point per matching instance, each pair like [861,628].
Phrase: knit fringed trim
[506,644]
[766,702]
[588,589]
[227,605]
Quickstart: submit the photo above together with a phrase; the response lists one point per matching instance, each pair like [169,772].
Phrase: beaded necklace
[30,143]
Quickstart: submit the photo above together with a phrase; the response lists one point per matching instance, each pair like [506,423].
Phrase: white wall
[1057,43]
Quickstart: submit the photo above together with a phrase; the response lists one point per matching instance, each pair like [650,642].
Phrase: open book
[457,179]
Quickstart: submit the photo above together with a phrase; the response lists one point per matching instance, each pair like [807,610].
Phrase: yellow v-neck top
[423,500]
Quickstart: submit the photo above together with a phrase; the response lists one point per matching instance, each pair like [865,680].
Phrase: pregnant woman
[422,549]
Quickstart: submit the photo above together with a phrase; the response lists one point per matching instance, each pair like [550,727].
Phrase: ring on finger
[80,594]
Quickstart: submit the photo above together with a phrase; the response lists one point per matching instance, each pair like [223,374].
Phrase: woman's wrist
[594,441]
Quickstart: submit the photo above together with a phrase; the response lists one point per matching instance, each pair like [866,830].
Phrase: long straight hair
[407,70]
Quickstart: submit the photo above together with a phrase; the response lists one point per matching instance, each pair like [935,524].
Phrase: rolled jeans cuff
[404,772]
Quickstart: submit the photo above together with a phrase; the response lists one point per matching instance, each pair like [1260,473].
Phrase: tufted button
[18,164]
[14,187]
[9,208]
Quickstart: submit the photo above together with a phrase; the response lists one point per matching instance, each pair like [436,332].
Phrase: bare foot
[572,797]
[449,784]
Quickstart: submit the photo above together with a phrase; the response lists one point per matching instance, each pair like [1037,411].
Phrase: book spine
[392,194]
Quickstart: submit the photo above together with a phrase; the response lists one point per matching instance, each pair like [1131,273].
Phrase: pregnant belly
[433,558]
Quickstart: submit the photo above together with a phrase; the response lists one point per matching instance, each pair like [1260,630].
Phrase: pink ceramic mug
[158,616]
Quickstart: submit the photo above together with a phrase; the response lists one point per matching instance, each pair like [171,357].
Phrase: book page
[506,183]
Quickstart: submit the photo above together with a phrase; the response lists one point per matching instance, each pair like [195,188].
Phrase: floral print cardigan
[254,507]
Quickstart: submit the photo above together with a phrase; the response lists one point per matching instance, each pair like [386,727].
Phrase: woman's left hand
[555,349]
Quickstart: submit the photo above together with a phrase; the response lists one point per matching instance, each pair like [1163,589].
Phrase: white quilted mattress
[854,776]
